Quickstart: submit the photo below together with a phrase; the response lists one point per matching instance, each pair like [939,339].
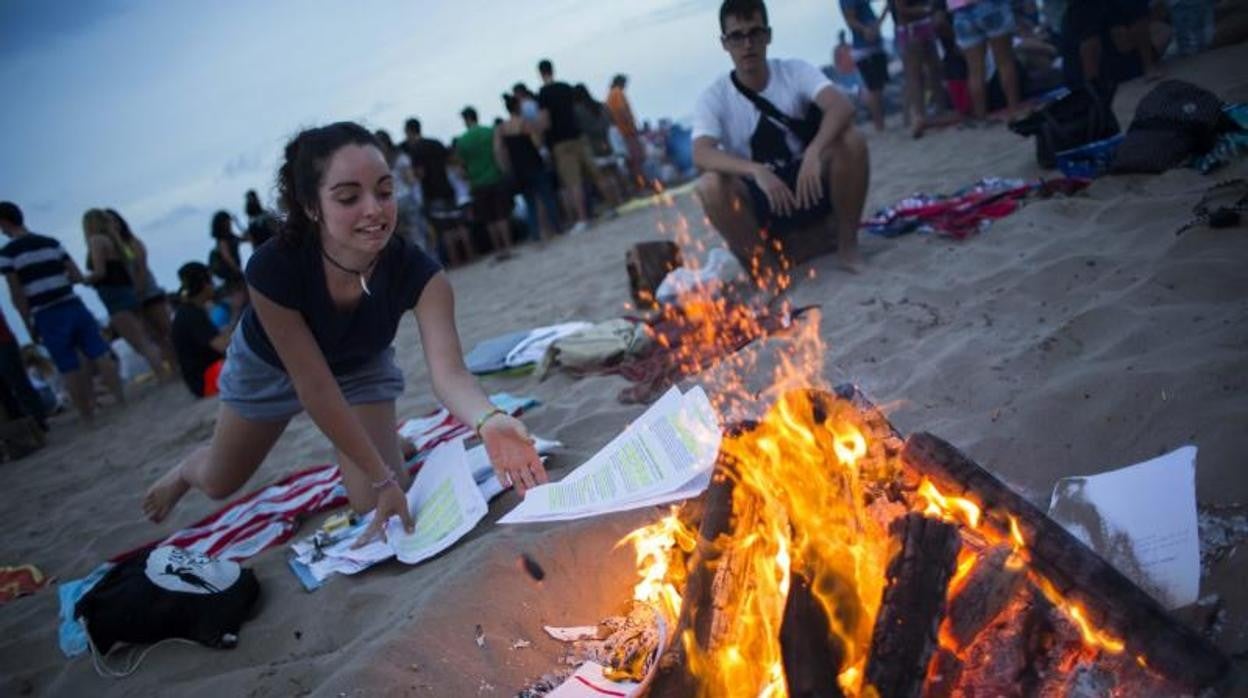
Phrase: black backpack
[169,593]
[1083,116]
[1173,123]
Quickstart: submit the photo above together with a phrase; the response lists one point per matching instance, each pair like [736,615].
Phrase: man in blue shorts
[41,280]
[782,161]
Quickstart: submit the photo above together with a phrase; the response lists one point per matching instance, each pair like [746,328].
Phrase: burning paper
[1142,519]
[588,682]
[664,456]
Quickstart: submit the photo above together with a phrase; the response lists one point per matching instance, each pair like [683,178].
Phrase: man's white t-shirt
[724,114]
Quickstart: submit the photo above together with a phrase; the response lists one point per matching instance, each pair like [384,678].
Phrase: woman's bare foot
[164,494]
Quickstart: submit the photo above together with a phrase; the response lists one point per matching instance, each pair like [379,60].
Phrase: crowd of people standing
[569,157]
[971,58]
[560,150]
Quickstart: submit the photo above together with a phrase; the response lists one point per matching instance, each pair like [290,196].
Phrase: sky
[168,110]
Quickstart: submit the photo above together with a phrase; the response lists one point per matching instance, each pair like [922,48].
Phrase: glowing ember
[968,512]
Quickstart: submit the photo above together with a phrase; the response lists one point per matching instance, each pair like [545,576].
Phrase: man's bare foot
[164,494]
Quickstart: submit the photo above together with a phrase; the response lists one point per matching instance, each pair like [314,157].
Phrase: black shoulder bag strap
[799,128]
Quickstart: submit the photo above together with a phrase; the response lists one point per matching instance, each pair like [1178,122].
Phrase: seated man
[799,177]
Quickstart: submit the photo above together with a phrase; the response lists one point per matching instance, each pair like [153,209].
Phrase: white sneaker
[580,227]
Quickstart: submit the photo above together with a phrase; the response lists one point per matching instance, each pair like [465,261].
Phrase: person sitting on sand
[326,300]
[200,344]
[770,171]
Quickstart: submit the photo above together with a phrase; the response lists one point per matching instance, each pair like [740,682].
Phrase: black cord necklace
[358,272]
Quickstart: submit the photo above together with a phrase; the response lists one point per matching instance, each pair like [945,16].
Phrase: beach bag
[647,264]
[169,593]
[1173,123]
[1083,116]
[805,128]
[605,344]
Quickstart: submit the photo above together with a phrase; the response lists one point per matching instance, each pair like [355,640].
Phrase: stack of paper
[664,456]
[447,499]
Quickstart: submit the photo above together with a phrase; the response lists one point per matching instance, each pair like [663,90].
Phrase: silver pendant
[364,286]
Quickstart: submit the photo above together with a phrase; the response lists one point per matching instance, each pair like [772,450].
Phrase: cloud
[676,10]
[29,25]
[176,216]
[242,164]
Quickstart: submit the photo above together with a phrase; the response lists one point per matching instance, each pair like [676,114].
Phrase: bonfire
[831,556]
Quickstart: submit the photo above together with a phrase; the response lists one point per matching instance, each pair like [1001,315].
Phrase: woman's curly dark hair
[299,177]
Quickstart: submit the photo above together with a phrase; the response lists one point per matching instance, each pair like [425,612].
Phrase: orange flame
[968,512]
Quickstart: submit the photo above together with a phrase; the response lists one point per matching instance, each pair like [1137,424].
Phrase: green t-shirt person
[476,150]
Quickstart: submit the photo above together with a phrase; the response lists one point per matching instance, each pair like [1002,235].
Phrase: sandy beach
[1076,336]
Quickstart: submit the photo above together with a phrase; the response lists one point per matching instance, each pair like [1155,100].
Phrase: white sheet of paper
[660,454]
[1142,519]
[445,502]
[588,682]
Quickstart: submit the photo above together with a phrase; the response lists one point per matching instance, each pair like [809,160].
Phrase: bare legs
[726,202]
[160,327]
[1003,52]
[500,237]
[131,329]
[849,173]
[239,446]
[977,77]
[219,469]
[875,105]
[913,63]
[78,384]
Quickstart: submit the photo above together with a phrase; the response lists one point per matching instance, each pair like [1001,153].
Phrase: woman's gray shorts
[261,392]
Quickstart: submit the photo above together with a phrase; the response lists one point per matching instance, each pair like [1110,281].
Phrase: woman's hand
[511,451]
[390,502]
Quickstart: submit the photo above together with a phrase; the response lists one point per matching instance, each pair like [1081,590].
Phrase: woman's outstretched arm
[506,439]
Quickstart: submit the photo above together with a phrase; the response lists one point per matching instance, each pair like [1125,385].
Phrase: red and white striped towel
[271,515]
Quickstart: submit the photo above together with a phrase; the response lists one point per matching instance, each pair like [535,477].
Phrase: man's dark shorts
[874,71]
[492,203]
[796,220]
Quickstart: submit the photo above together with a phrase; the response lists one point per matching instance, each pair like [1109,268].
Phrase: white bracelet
[384,483]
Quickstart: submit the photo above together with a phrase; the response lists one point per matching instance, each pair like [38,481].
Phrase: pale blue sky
[169,110]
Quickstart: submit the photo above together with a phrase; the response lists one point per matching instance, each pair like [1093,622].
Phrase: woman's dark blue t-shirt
[292,275]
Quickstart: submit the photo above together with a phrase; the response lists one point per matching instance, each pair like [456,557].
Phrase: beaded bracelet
[494,410]
[382,484]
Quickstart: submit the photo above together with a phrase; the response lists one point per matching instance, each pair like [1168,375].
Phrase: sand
[1077,336]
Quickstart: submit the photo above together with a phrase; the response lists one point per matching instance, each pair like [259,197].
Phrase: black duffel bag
[1083,116]
[1173,123]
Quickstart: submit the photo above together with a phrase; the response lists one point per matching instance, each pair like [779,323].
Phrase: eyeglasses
[737,39]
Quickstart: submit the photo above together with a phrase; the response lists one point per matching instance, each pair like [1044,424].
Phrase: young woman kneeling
[326,300]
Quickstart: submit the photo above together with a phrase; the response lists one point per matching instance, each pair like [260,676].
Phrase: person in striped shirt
[41,278]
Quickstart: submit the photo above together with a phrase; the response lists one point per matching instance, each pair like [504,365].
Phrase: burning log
[913,604]
[1107,599]
[987,590]
[811,654]
[697,613]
